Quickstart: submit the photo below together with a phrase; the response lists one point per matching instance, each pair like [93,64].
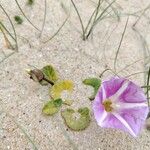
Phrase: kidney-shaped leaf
[52,107]
[49,73]
[59,87]
[95,83]
[77,124]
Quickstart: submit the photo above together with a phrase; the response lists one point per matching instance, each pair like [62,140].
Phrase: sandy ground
[74,59]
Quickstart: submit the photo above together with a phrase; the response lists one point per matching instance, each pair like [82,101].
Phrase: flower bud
[36,74]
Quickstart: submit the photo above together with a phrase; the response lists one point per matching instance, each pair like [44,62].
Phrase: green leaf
[59,87]
[50,74]
[57,102]
[77,124]
[18,19]
[52,107]
[30,2]
[95,83]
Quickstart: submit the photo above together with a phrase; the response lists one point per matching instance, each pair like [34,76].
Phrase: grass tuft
[98,15]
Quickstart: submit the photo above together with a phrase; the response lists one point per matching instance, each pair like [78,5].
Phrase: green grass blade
[97,19]
[105,10]
[3,26]
[8,43]
[94,12]
[44,20]
[115,61]
[81,22]
[26,16]
[11,25]
[114,10]
[23,131]
[56,31]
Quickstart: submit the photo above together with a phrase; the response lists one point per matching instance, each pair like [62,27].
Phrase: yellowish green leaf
[95,83]
[77,123]
[52,107]
[61,86]
[50,74]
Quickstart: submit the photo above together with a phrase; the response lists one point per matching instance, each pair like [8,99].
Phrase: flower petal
[113,122]
[130,105]
[125,123]
[99,112]
[121,90]
[135,117]
[112,86]
[133,94]
[100,96]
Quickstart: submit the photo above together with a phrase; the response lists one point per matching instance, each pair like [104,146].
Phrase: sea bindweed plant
[117,103]
[48,75]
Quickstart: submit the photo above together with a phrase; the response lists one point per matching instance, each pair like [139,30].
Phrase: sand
[22,99]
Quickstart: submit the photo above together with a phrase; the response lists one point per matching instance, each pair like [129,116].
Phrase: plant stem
[145,86]
[147,90]
[23,131]
[50,82]
[135,74]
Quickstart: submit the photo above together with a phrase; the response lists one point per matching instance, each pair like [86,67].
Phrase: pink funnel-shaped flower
[120,104]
